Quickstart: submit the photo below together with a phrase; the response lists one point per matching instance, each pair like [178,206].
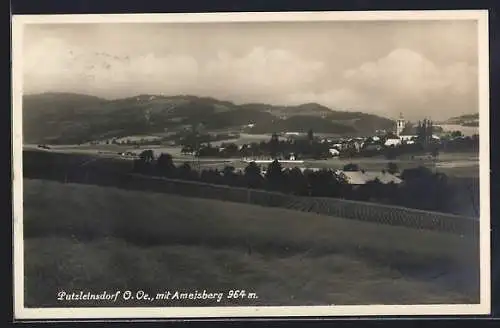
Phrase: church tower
[400,124]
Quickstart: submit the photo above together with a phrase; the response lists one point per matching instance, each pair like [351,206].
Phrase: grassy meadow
[82,237]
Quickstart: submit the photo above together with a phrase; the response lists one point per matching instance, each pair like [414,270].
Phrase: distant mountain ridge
[464,120]
[75,118]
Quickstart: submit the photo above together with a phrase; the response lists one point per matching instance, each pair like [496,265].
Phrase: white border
[481,16]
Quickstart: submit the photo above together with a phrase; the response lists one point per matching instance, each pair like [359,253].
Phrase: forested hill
[74,118]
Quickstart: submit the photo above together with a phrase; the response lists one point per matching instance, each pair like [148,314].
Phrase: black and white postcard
[251,164]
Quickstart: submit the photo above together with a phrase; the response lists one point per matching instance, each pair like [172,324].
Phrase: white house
[392,142]
[334,152]
[312,169]
[407,137]
[360,177]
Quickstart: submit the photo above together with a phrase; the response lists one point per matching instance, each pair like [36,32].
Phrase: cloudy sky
[419,68]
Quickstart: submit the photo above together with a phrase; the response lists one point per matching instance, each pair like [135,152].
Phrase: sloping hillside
[50,115]
[303,124]
[72,118]
[97,238]
[309,109]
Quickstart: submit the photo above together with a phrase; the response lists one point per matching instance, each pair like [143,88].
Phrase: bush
[392,168]
[165,165]
[351,167]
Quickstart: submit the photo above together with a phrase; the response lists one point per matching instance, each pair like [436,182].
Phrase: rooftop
[359,177]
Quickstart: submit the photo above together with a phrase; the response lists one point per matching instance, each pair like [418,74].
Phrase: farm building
[334,152]
[392,142]
[360,177]
[408,137]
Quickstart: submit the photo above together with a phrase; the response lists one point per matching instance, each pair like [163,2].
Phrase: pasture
[98,238]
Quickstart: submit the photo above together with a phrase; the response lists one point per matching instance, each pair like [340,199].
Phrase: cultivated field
[81,237]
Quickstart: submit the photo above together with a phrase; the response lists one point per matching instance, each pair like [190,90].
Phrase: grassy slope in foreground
[81,237]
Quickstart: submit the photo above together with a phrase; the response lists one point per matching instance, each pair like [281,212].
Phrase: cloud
[260,73]
[263,68]
[52,65]
[409,73]
[403,81]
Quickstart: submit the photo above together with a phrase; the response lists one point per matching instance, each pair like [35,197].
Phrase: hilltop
[75,118]
[464,120]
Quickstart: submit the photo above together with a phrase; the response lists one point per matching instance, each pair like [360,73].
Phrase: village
[379,157]
[420,144]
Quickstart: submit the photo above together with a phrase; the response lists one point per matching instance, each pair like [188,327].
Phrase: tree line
[422,188]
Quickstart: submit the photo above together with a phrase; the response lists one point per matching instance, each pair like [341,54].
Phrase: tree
[274,137]
[244,151]
[351,167]
[424,190]
[229,175]
[208,150]
[165,165]
[147,156]
[440,192]
[297,182]
[228,171]
[391,152]
[472,190]
[231,149]
[391,135]
[211,176]
[392,168]
[252,169]
[324,183]
[408,129]
[274,174]
[424,132]
[435,152]
[456,134]
[417,173]
[253,175]
[310,135]
[185,172]
[371,190]
[138,166]
[274,145]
